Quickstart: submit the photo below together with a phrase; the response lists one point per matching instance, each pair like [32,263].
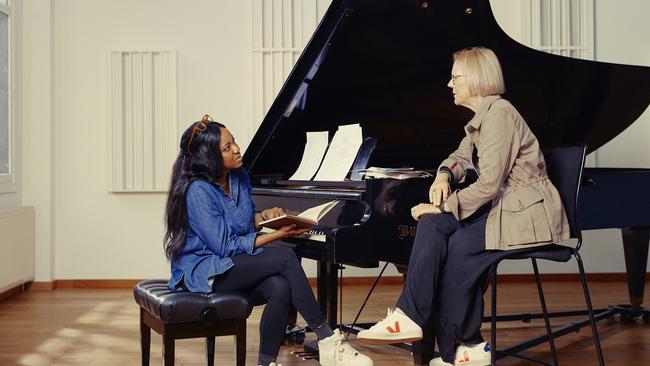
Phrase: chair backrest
[564,166]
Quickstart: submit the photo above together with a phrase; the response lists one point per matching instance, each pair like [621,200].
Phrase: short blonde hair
[482,71]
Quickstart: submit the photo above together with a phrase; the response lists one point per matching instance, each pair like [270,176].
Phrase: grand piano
[385,64]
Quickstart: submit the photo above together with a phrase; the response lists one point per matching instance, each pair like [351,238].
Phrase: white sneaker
[396,327]
[439,362]
[274,364]
[476,355]
[333,351]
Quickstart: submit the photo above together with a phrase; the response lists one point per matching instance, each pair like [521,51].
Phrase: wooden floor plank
[100,327]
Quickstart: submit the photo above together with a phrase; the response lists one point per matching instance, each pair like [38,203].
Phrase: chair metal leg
[594,329]
[209,354]
[145,339]
[493,329]
[168,350]
[240,343]
[547,321]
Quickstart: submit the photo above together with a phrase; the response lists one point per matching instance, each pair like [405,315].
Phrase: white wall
[17,247]
[622,37]
[37,122]
[84,232]
[104,235]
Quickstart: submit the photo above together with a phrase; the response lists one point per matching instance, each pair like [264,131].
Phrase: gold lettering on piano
[405,230]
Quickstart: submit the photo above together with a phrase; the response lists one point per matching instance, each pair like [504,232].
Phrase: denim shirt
[219,227]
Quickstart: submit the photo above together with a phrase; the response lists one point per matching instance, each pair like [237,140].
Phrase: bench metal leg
[145,339]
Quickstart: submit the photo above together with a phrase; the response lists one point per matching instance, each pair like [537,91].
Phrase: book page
[315,148]
[341,153]
[317,212]
[304,220]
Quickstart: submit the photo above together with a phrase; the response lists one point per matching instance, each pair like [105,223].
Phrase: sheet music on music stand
[341,153]
[312,156]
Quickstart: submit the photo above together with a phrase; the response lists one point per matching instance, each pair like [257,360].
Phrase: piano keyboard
[313,234]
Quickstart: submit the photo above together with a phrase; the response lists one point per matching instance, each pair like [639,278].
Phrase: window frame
[561,27]
[8,180]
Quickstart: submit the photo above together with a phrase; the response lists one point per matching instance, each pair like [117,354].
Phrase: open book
[304,220]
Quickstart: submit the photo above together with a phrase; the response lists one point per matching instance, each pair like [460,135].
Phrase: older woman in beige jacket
[511,206]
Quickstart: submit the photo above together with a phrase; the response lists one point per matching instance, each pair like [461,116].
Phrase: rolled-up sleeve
[498,152]
[207,220]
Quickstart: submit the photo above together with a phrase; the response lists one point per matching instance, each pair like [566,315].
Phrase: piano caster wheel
[627,318]
[644,318]
[294,335]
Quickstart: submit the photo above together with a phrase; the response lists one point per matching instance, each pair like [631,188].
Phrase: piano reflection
[385,64]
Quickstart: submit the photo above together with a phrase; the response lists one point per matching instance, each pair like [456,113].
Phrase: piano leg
[327,295]
[635,246]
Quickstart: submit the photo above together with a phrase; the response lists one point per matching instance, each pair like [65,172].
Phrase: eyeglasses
[200,126]
[454,78]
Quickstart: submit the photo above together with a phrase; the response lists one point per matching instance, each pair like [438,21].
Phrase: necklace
[225,185]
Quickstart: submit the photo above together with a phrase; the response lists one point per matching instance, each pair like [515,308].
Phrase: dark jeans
[273,277]
[446,279]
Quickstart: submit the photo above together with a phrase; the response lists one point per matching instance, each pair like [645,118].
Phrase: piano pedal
[294,335]
[306,355]
[309,352]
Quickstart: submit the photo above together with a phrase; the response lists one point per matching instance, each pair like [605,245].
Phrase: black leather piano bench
[181,314]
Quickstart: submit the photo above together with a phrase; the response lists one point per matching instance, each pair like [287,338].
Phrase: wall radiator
[16,247]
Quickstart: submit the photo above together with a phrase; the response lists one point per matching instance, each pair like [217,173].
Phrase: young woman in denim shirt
[213,244]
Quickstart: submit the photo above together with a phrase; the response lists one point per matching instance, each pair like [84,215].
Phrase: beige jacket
[526,208]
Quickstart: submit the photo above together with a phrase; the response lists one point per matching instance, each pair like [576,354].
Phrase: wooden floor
[100,327]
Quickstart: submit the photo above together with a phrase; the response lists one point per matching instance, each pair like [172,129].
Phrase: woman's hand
[440,189]
[291,230]
[271,213]
[424,208]
[267,214]
[283,232]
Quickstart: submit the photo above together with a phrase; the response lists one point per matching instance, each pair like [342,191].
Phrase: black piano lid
[386,64]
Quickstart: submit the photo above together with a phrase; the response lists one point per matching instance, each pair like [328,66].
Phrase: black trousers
[273,277]
[446,279]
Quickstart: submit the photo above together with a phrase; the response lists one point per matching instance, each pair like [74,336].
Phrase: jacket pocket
[523,218]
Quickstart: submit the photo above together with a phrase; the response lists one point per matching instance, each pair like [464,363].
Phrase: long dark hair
[199,158]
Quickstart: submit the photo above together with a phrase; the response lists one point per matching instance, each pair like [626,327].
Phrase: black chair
[564,167]
[182,314]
